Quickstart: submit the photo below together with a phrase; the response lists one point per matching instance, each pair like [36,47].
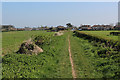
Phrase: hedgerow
[106,56]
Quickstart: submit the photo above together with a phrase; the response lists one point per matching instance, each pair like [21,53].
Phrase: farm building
[85,27]
[35,29]
[102,27]
[97,27]
[8,28]
[107,27]
[20,29]
[60,28]
[28,29]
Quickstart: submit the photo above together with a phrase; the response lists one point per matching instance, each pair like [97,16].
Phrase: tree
[69,25]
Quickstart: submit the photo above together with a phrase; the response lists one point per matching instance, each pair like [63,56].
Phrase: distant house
[20,29]
[8,28]
[27,29]
[35,29]
[98,27]
[13,29]
[108,27]
[60,28]
[85,27]
[102,27]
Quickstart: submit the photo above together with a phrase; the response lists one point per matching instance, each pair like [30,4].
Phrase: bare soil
[71,60]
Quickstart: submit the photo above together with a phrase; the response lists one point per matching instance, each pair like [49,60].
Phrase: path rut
[71,60]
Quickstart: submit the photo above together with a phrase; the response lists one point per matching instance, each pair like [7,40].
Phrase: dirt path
[71,60]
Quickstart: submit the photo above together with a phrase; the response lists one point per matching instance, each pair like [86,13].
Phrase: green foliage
[84,56]
[11,41]
[52,63]
[42,39]
[91,60]
[69,25]
[102,34]
[106,54]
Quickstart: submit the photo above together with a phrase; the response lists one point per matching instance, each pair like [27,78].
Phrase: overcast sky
[34,14]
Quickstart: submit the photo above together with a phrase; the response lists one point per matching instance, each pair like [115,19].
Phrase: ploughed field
[93,55]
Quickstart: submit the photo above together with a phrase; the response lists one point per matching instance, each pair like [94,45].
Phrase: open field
[102,34]
[11,40]
[53,62]
[69,40]
[90,59]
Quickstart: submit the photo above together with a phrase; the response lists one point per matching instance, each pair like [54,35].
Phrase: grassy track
[83,60]
[89,64]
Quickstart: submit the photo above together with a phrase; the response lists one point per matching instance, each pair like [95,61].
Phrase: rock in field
[28,47]
[58,33]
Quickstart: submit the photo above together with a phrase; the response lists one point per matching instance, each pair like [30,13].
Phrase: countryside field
[11,40]
[92,57]
[102,34]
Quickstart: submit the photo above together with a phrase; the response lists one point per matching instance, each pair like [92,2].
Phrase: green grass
[52,63]
[83,58]
[89,64]
[11,40]
[102,34]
